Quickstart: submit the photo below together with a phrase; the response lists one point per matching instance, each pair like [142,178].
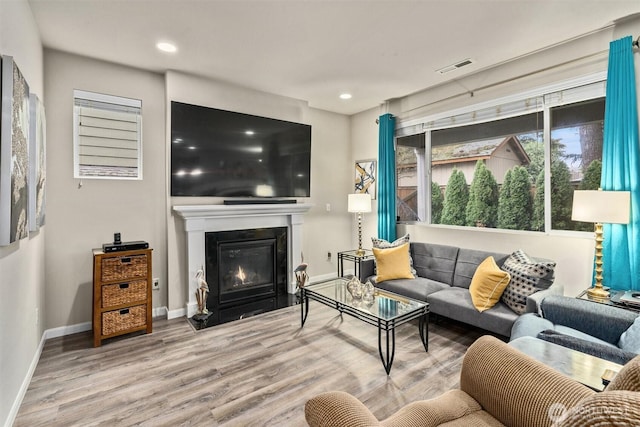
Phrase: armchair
[581,325]
[499,386]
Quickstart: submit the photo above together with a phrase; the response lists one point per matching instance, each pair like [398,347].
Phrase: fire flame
[241,275]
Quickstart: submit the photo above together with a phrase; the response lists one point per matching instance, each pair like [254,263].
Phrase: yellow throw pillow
[392,263]
[487,284]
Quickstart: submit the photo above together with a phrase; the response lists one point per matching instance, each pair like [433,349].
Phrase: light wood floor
[254,372]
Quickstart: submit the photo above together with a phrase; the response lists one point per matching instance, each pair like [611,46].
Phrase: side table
[352,257]
[614,300]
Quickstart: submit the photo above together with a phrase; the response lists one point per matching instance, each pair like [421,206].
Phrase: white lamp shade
[359,203]
[610,207]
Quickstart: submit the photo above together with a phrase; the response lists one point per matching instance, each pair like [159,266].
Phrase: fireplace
[246,271]
[199,220]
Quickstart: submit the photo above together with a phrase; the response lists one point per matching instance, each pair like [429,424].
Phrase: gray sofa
[443,277]
[582,325]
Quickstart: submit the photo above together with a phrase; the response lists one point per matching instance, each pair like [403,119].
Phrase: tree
[456,196]
[521,202]
[436,203]
[482,207]
[505,208]
[591,136]
[537,221]
[591,179]
[561,196]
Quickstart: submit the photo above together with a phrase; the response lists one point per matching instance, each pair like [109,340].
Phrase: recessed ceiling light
[166,47]
[345,96]
[249,132]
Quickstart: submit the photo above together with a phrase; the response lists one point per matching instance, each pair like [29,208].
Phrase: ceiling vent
[455,66]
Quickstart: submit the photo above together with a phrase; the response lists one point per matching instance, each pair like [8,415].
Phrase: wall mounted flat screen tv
[227,154]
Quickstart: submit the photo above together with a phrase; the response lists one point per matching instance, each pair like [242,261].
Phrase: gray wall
[83,214]
[22,279]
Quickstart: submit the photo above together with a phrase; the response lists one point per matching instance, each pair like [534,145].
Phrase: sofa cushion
[467,263]
[435,262]
[529,325]
[417,288]
[602,349]
[384,244]
[603,321]
[455,303]
[392,263]
[527,277]
[630,339]
[487,284]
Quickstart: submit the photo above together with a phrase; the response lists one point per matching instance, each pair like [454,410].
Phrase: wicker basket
[121,320]
[124,293]
[123,267]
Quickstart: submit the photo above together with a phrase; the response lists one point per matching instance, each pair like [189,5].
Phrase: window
[513,165]
[107,136]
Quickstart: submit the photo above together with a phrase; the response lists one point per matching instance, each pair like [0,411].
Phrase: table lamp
[599,206]
[359,203]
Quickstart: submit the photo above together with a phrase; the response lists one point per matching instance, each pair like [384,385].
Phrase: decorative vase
[368,293]
[355,288]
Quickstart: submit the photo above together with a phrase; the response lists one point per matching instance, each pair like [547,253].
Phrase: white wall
[22,263]
[573,252]
[364,136]
[82,217]
[331,174]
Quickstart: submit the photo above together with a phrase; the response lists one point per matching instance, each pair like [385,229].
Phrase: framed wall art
[365,181]
[14,154]
[37,163]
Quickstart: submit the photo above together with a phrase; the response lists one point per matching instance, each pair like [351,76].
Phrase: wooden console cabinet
[121,293]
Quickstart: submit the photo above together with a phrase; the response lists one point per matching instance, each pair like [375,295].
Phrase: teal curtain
[621,167]
[386,178]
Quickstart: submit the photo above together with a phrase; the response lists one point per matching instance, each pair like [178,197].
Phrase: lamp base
[598,294]
[360,252]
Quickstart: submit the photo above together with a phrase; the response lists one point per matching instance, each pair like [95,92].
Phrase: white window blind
[107,136]
[512,106]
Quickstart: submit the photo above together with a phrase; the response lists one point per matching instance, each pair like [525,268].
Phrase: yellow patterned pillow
[392,263]
[487,284]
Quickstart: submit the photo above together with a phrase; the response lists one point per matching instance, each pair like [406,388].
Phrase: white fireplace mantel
[201,219]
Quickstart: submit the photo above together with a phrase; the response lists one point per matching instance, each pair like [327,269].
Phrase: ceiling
[314,50]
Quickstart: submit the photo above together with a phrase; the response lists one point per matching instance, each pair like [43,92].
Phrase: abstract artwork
[366,177]
[37,161]
[14,154]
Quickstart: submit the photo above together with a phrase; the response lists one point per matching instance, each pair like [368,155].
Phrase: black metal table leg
[304,306]
[423,326]
[387,357]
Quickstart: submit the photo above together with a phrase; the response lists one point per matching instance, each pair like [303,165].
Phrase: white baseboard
[25,383]
[160,312]
[172,314]
[55,333]
[67,330]
[325,277]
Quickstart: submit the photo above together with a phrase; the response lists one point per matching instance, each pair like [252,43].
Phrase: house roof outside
[476,150]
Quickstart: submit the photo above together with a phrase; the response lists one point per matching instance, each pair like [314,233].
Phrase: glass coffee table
[388,311]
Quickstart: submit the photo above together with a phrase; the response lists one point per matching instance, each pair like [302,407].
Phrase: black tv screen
[227,154]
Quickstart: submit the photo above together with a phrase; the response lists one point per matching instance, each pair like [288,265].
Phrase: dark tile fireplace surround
[246,271]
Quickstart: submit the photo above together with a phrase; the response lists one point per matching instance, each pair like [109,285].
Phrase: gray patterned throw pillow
[527,277]
[383,244]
